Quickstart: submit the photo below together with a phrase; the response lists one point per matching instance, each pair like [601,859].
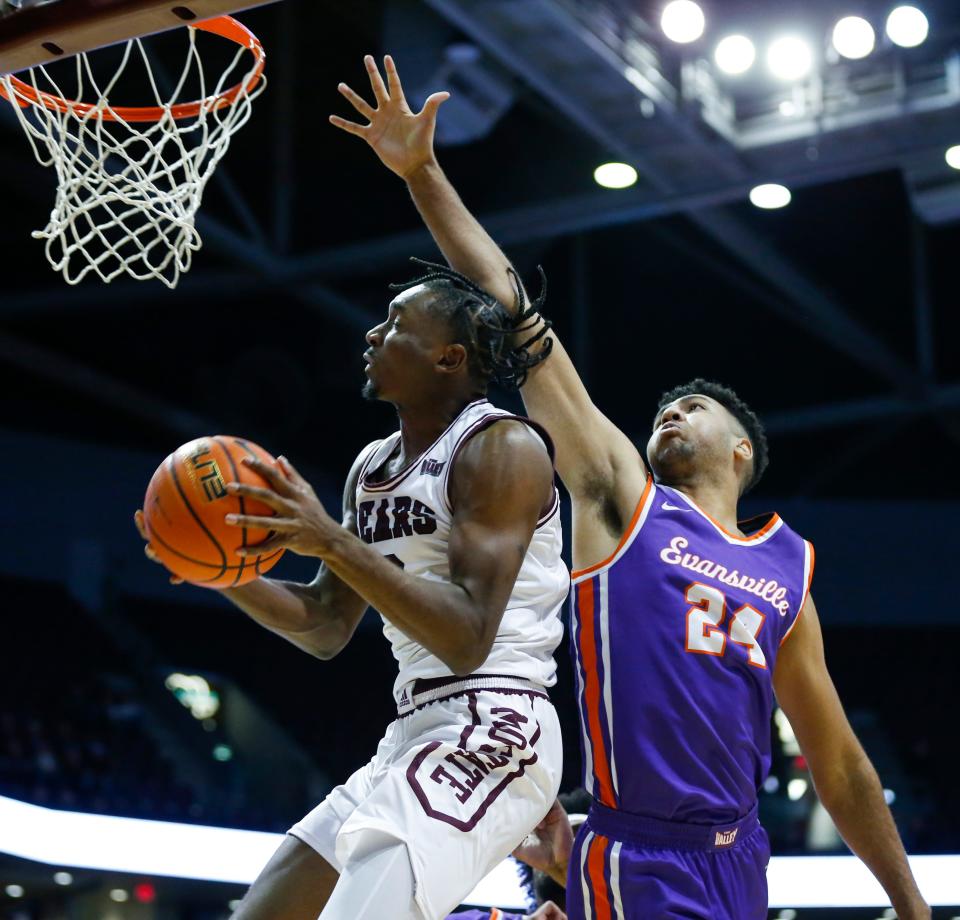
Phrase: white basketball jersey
[408,519]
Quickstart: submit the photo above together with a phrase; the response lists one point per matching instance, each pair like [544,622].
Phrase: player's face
[403,350]
[689,435]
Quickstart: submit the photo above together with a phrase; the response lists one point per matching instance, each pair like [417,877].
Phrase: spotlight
[682,21]
[953,157]
[770,196]
[907,27]
[796,788]
[62,878]
[790,58]
[615,175]
[14,891]
[853,37]
[119,895]
[735,54]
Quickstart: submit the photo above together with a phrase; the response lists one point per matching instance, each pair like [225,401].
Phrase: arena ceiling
[835,316]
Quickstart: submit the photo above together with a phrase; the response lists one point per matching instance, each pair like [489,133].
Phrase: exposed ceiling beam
[80,378]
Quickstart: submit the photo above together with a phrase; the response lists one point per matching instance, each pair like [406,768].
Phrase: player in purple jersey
[681,621]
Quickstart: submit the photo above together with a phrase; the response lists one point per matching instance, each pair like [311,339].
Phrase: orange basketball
[185,507]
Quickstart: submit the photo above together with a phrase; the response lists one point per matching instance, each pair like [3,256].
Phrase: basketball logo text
[432,467]
[208,471]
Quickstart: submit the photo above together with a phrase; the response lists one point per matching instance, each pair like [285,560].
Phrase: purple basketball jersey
[675,637]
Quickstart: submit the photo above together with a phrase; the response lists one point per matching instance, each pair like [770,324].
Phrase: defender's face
[403,350]
[689,433]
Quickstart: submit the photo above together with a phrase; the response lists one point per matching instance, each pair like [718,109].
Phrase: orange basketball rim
[224,26]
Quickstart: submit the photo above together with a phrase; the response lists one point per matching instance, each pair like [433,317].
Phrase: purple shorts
[627,867]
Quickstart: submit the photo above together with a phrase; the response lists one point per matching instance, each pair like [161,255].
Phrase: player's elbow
[468,657]
[326,652]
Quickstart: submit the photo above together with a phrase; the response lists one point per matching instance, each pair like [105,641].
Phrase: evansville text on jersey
[771,591]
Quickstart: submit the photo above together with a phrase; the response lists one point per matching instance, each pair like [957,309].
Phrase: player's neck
[717,499]
[421,425]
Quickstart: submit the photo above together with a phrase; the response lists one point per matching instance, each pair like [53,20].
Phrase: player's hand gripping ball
[185,507]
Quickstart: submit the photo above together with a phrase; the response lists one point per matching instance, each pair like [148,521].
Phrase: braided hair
[484,326]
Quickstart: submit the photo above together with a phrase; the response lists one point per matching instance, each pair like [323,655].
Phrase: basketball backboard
[39,31]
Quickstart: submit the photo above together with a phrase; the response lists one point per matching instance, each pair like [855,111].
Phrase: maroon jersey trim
[397,478]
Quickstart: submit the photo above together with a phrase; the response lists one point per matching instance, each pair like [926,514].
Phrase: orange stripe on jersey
[598,884]
[591,690]
[495,914]
[626,534]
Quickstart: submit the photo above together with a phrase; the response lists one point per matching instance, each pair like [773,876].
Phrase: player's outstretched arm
[501,482]
[845,780]
[592,453]
[319,617]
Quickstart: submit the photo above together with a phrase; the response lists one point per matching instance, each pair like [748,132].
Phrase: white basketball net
[128,192]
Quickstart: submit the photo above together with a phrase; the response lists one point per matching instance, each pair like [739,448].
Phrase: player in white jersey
[451,531]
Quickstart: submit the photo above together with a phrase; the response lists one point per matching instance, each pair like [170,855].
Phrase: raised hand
[401,138]
[148,549]
[300,522]
[548,846]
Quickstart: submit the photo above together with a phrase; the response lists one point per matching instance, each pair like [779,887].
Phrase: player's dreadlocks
[737,408]
[484,326]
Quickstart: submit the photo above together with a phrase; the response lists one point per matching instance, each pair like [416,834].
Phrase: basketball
[185,507]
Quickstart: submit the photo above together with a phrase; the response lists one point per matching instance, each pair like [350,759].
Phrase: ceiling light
[853,37]
[119,895]
[953,157]
[62,878]
[14,891]
[907,27]
[682,21]
[790,58]
[770,196]
[615,175]
[735,54]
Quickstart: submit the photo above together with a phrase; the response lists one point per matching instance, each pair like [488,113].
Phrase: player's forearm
[440,616]
[465,245]
[853,796]
[293,611]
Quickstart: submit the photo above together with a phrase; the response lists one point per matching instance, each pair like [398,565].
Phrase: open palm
[401,138]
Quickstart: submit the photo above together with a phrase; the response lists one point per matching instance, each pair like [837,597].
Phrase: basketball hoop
[131,179]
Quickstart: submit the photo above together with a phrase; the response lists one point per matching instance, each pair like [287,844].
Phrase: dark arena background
[834,316]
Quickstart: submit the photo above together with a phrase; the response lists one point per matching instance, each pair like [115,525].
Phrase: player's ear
[452,358]
[743,449]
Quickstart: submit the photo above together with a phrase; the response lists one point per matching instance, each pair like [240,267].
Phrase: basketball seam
[196,517]
[243,508]
[207,565]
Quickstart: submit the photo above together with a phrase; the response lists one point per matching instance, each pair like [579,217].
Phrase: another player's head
[702,429]
[445,335]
